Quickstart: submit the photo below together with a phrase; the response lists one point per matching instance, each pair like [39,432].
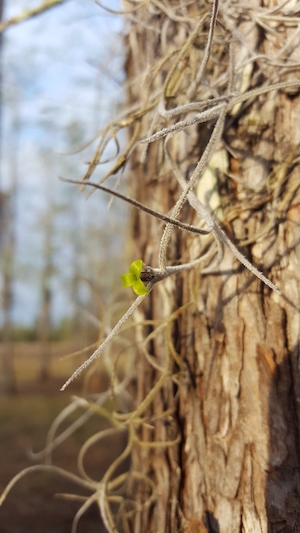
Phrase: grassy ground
[24,421]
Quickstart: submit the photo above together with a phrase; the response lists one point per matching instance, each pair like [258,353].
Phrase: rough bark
[236,397]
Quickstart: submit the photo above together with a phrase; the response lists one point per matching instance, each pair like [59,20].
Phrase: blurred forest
[56,95]
[61,81]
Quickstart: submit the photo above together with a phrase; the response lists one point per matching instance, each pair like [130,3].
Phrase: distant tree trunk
[79,330]
[236,399]
[8,246]
[45,324]
[46,292]
[8,228]
[46,297]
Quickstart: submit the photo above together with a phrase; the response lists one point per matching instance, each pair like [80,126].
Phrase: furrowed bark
[236,397]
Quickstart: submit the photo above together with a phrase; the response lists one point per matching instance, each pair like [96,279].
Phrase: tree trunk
[8,217]
[8,382]
[232,391]
[46,297]
[45,323]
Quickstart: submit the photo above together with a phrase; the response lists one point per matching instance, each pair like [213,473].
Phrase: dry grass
[63,359]
[25,419]
[26,360]
[32,506]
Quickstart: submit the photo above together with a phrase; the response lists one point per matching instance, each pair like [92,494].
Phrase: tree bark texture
[233,389]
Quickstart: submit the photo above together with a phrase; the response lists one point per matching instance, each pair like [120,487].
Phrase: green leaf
[133,278]
[136,268]
[126,280]
[139,288]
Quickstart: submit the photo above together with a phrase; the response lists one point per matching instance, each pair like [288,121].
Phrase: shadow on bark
[211,523]
[283,476]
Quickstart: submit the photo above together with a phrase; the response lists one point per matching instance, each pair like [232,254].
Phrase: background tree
[46,290]
[8,245]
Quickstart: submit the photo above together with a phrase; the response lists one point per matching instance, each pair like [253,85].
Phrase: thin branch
[142,207]
[29,13]
[207,51]
[113,332]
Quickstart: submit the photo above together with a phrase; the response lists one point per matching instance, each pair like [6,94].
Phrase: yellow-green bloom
[133,278]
